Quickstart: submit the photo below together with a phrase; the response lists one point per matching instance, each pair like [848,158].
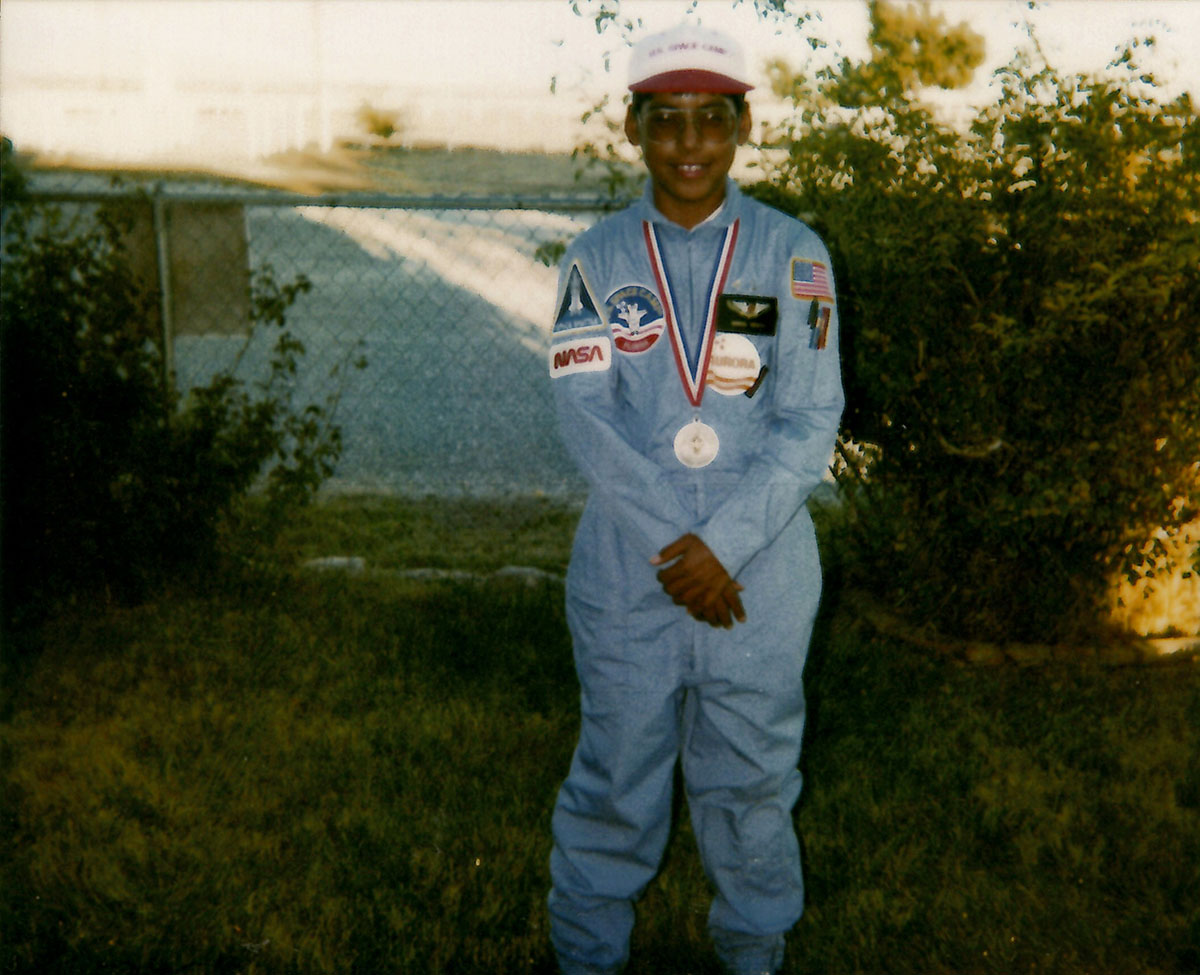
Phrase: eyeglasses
[712,123]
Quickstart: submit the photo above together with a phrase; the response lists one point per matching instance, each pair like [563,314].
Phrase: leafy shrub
[379,123]
[110,479]
[1020,309]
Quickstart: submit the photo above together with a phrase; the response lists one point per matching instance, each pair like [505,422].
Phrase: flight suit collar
[722,217]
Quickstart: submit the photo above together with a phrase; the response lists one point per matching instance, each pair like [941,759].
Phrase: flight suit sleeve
[584,378]
[805,410]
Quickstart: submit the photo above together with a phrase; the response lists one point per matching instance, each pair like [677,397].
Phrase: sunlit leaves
[1030,283]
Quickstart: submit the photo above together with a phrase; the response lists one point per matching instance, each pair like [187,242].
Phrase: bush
[379,123]
[1019,312]
[111,481]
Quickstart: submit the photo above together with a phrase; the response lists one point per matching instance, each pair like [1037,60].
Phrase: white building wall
[136,122]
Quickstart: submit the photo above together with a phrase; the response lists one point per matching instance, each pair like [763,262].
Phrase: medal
[696,444]
[692,363]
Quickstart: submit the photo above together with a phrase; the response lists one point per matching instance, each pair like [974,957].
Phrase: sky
[481,52]
[516,44]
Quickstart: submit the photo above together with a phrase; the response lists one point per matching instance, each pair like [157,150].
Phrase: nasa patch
[590,354]
[636,317]
[577,310]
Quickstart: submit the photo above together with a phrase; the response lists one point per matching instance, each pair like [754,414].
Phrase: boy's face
[688,142]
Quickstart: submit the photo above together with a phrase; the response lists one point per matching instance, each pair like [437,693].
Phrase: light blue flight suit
[657,685]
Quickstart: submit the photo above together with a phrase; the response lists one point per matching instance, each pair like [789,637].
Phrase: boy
[695,369]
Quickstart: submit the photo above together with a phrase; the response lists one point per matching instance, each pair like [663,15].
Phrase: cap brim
[692,80]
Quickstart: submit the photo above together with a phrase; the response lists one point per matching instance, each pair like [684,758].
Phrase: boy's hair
[640,98]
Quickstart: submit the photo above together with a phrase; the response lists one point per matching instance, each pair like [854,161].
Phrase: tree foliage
[1020,306]
[917,46]
[110,479]
[378,123]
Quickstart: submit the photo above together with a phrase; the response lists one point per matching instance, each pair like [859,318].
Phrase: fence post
[163,262]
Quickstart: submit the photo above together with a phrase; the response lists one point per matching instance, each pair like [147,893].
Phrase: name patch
[593,354]
[747,314]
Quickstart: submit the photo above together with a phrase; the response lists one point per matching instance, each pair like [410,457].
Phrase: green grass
[354,774]
[475,535]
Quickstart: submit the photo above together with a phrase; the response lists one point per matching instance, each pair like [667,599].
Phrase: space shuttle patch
[578,309]
[747,314]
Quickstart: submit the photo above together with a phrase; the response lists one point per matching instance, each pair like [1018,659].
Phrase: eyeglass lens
[711,124]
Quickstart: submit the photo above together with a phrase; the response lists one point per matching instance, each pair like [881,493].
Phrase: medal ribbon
[693,375]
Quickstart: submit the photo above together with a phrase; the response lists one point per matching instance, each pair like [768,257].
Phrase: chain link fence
[425,329]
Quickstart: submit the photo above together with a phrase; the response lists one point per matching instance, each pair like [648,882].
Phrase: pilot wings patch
[747,314]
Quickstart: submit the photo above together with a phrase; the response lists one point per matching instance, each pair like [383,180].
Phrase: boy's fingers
[672,551]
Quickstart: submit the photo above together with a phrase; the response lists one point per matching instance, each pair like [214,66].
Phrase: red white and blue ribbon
[692,363]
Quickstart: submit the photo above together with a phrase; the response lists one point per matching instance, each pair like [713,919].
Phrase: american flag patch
[810,279]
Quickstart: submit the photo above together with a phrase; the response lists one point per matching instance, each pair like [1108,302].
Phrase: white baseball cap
[688,58]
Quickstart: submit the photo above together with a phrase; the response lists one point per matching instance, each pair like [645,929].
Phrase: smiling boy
[695,369]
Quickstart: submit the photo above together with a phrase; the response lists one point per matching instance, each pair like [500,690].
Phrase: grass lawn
[322,772]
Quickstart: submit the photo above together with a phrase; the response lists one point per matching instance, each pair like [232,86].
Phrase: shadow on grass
[354,774]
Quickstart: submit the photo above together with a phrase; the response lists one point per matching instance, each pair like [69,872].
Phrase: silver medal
[696,444]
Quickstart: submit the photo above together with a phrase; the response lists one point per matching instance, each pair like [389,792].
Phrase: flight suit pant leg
[612,816]
[741,748]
